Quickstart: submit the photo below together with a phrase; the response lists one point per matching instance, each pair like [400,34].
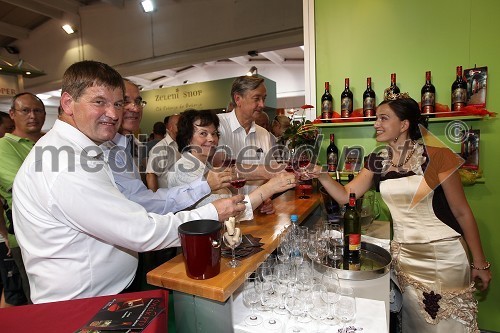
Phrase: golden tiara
[390,96]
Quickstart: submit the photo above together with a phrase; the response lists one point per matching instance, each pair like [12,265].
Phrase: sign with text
[211,95]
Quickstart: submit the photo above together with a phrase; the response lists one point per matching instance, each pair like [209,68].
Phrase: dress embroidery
[459,305]
[415,162]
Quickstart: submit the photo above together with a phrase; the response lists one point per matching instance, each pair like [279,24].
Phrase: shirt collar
[78,138]
[16,138]
[235,124]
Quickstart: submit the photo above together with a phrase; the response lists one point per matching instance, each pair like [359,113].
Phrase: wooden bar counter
[172,274]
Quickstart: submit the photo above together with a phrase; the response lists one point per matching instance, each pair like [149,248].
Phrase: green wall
[210,95]
[363,38]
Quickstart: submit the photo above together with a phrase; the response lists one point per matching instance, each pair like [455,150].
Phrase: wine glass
[282,273]
[295,304]
[238,181]
[232,242]
[304,160]
[270,299]
[251,297]
[330,280]
[346,307]
[317,307]
[336,242]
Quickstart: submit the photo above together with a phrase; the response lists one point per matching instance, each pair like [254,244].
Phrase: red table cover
[68,316]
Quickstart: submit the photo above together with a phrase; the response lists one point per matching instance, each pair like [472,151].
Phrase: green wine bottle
[352,235]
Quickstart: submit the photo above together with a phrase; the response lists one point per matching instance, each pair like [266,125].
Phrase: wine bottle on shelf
[458,91]
[369,100]
[428,95]
[332,155]
[393,88]
[352,235]
[327,103]
[346,101]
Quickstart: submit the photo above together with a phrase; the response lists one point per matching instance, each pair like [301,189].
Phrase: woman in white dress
[436,248]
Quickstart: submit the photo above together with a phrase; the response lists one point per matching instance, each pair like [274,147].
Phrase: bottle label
[346,107]
[428,102]
[458,98]
[326,110]
[369,103]
[354,242]
[332,160]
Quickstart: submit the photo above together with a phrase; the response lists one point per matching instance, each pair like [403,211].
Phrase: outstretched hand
[219,178]
[228,207]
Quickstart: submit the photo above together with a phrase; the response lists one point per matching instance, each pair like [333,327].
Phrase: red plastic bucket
[201,241]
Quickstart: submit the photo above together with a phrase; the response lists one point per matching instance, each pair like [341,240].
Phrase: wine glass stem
[233,255]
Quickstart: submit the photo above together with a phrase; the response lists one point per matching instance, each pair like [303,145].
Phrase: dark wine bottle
[458,91]
[346,101]
[369,100]
[393,89]
[332,155]
[327,103]
[352,232]
[428,94]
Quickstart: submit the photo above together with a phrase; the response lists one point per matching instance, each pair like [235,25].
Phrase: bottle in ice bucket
[352,236]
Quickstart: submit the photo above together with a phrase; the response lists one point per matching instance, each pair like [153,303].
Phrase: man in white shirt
[162,157]
[79,235]
[248,142]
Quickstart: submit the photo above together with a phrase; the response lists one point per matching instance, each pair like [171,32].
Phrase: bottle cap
[294,218]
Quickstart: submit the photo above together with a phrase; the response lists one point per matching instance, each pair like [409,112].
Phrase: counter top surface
[172,274]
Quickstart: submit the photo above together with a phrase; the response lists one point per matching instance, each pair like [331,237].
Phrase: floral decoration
[302,132]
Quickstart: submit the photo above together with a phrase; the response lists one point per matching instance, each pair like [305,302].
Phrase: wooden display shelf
[350,122]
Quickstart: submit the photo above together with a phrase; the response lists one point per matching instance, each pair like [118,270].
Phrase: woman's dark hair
[185,126]
[408,109]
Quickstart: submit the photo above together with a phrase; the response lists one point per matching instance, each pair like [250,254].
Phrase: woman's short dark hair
[408,109]
[185,126]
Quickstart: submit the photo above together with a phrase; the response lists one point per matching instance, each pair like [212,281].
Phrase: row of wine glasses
[286,288]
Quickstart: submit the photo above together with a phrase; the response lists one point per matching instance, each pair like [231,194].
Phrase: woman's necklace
[410,154]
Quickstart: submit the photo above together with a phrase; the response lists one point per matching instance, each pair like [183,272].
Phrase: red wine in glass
[229,162]
[238,183]
[303,163]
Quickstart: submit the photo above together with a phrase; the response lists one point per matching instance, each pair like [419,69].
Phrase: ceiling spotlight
[252,71]
[147,6]
[69,29]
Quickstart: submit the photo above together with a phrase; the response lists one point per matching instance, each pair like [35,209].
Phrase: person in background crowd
[434,228]
[163,156]
[95,231]
[6,124]
[28,114]
[279,125]
[197,139]
[159,132]
[262,119]
[239,132]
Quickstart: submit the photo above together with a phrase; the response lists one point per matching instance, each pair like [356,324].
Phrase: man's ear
[67,103]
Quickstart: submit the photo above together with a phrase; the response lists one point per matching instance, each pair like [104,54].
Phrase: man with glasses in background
[28,113]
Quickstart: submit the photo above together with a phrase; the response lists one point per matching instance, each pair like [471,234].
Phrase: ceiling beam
[274,57]
[243,60]
[13,31]
[37,8]
[67,6]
